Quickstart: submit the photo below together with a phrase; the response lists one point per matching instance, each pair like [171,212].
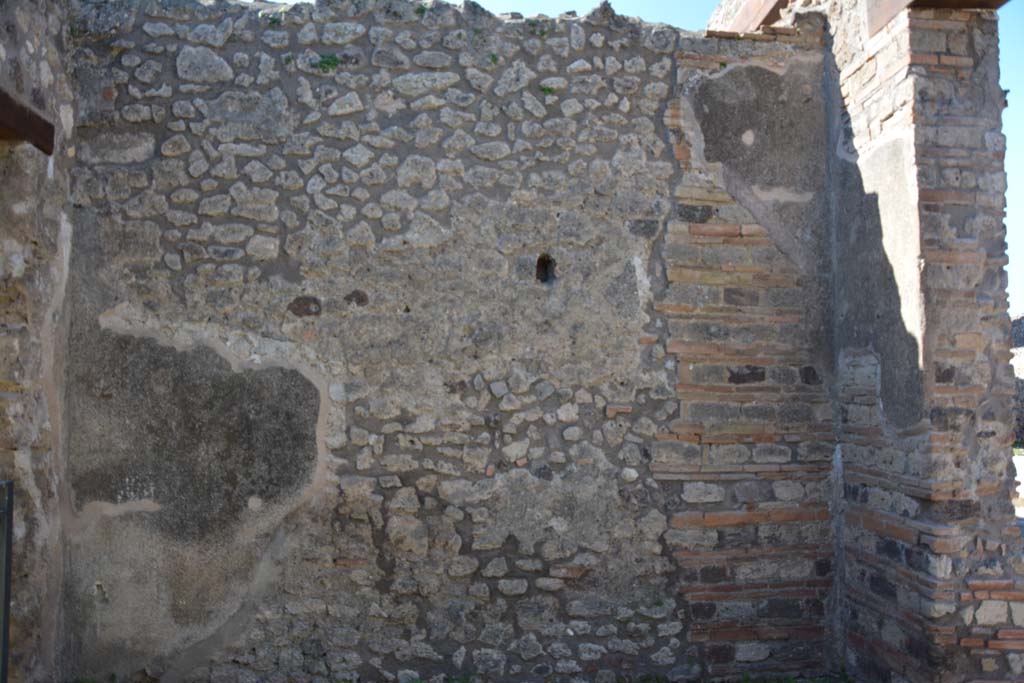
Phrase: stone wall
[34,246]
[960,147]
[1018,403]
[879,355]
[1017,349]
[947,517]
[398,347]
[928,543]
[31,50]
[404,341]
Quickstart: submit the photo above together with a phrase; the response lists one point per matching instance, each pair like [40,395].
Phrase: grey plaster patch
[750,118]
[184,430]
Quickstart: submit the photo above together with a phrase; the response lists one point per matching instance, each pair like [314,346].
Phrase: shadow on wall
[185,407]
[751,118]
[878,309]
[869,286]
[870,310]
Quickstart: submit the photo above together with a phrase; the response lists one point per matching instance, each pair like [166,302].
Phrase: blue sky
[693,15]
[689,14]
[1011,68]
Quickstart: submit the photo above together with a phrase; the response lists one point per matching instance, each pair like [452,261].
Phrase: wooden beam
[754,14]
[18,122]
[881,12]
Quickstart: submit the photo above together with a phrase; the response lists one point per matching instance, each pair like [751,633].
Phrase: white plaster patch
[67,119]
[748,138]
[14,258]
[96,510]
[781,194]
[643,282]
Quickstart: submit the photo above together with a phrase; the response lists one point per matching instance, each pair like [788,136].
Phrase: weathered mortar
[929,551]
[407,341]
[956,481]
[34,246]
[1017,344]
[515,477]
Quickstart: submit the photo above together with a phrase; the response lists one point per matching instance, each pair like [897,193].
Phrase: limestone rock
[341,33]
[417,170]
[408,535]
[419,84]
[349,103]
[514,79]
[119,148]
[202,65]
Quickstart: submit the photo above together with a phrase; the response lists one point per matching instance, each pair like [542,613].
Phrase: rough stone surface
[35,232]
[403,341]
[1018,403]
[921,343]
[202,65]
[1017,342]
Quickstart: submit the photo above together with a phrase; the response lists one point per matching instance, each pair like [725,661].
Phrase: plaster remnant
[782,194]
[308,410]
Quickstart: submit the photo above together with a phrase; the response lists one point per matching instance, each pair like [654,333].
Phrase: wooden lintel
[881,12]
[18,122]
[754,14]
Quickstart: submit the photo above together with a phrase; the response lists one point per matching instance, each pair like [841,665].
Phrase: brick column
[957,108]
[929,546]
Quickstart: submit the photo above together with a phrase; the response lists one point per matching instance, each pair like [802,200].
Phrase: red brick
[947,196]
[734,518]
[683,520]
[715,229]
[989,584]
[954,60]
[1016,596]
[1010,634]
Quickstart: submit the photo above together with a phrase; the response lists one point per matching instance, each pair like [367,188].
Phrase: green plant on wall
[272,19]
[327,63]
[536,28]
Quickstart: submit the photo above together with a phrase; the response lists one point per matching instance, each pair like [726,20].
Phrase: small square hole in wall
[545,269]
